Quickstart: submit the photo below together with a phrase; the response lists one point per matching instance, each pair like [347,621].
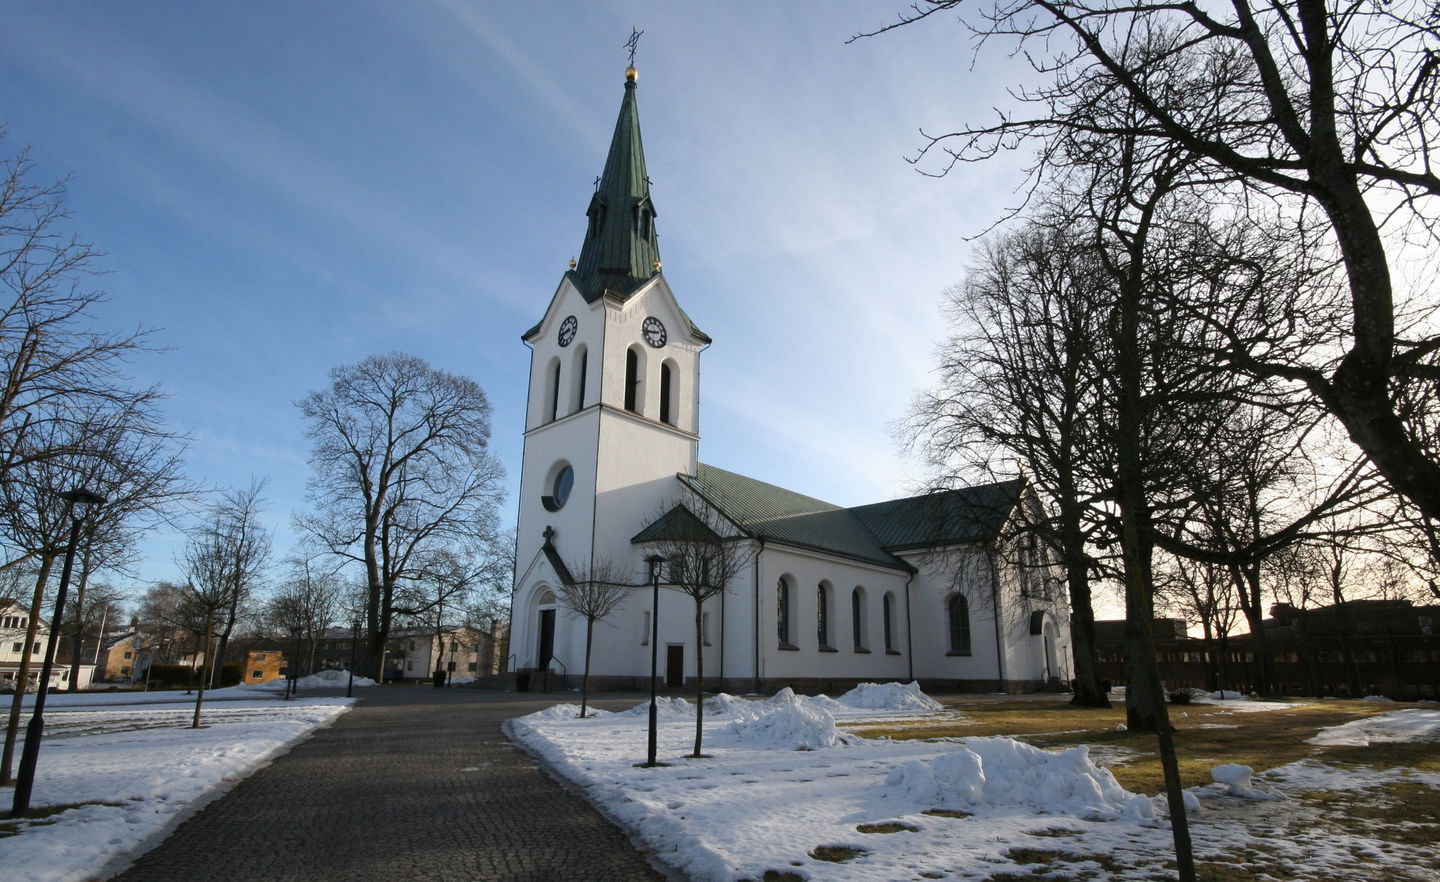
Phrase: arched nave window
[857,617]
[889,610]
[957,611]
[782,611]
[822,614]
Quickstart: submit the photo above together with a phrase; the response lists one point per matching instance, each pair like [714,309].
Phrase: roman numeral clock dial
[654,332]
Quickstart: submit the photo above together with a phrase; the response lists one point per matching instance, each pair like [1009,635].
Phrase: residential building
[1349,650]
[15,646]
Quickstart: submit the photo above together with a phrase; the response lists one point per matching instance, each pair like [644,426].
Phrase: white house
[14,624]
[942,588]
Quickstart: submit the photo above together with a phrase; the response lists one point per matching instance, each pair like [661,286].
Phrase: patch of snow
[134,772]
[317,680]
[1405,725]
[1378,698]
[755,804]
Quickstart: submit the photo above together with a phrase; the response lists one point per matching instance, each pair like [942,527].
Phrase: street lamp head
[656,561]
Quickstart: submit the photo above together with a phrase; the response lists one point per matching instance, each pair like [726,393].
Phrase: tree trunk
[699,678]
[585,681]
[223,643]
[204,670]
[1254,607]
[77,644]
[1089,691]
[22,676]
[1145,699]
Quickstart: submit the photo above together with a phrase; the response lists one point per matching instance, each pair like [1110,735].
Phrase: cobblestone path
[413,783]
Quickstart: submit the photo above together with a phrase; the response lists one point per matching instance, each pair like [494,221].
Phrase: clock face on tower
[567,330]
[654,332]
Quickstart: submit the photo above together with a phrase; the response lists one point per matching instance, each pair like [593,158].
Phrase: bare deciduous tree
[703,552]
[124,455]
[306,603]
[593,592]
[401,466]
[1017,391]
[226,559]
[1273,106]
[55,371]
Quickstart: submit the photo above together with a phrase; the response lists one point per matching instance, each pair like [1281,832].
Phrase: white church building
[943,588]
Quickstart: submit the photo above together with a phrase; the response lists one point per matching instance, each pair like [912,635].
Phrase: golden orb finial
[631,74]
[572,263]
[657,264]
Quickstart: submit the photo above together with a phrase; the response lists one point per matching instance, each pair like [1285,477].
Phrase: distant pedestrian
[439,677]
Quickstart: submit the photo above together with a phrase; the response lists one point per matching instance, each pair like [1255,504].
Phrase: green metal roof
[620,250]
[971,514]
[870,533]
[679,524]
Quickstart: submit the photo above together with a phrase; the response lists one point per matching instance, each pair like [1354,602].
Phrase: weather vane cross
[633,43]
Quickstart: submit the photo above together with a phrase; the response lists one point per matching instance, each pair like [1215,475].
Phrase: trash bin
[522,681]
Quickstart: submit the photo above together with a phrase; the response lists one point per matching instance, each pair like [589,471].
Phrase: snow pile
[1235,779]
[725,705]
[666,708]
[317,680]
[901,697]
[890,696]
[785,696]
[1003,772]
[795,726]
[1226,695]
[1405,725]
[1378,698]
[571,712]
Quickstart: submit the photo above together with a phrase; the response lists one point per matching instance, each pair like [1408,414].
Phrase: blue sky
[281,188]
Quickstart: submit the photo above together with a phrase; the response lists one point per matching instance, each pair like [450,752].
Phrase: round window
[564,483]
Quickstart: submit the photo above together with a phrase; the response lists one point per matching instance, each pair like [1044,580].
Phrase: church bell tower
[613,413]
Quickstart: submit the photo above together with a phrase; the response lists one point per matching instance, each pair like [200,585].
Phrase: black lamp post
[77,500]
[656,561]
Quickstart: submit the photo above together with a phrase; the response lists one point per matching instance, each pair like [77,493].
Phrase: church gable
[566,299]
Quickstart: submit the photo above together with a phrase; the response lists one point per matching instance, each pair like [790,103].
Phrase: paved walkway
[412,783]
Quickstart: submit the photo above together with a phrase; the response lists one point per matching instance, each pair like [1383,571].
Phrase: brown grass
[887,828]
[1262,740]
[836,854]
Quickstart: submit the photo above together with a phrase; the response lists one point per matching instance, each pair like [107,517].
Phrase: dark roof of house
[266,644]
[870,533]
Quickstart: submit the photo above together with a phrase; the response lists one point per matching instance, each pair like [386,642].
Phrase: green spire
[620,250]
